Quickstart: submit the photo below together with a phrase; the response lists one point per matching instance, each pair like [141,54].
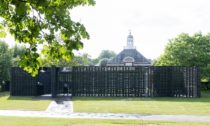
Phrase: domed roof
[129,55]
[137,57]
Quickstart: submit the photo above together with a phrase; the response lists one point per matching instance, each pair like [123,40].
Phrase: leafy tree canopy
[38,22]
[79,60]
[17,52]
[2,32]
[103,62]
[5,62]
[106,54]
[186,50]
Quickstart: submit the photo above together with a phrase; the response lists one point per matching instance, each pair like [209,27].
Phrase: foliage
[5,62]
[80,60]
[17,51]
[83,60]
[205,73]
[2,32]
[186,50]
[94,62]
[106,54]
[103,62]
[8,57]
[103,56]
[38,22]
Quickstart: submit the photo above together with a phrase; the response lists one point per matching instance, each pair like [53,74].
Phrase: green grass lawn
[21,103]
[21,121]
[187,106]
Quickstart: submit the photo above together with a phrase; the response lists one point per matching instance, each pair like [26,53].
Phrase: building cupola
[130,41]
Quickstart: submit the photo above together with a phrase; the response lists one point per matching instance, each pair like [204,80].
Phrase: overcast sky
[152,22]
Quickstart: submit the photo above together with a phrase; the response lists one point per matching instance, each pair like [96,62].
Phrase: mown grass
[177,106]
[21,121]
[21,103]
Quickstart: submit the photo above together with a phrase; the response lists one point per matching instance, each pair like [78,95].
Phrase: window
[128,59]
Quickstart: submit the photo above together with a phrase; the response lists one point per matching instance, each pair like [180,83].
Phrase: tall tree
[186,50]
[103,62]
[78,60]
[103,57]
[83,60]
[106,54]
[17,52]
[38,22]
[5,62]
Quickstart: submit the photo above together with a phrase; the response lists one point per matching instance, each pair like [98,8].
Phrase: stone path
[63,108]
[61,105]
[177,118]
